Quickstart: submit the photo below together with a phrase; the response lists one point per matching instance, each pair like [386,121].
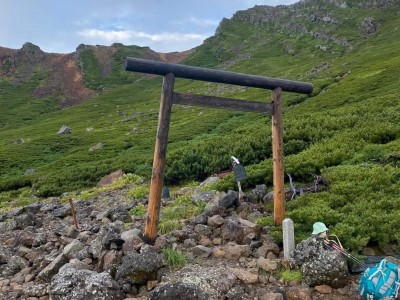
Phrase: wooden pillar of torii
[169,97]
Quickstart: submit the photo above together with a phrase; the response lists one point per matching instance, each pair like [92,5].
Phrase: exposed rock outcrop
[320,264]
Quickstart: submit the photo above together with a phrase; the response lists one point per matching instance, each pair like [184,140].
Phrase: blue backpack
[380,281]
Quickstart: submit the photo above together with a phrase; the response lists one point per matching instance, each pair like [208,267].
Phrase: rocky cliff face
[315,18]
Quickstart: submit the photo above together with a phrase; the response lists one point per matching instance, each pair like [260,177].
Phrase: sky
[163,25]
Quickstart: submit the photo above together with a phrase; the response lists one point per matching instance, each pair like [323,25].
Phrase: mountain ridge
[65,71]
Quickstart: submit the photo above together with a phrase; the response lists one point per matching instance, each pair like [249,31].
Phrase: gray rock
[96,147]
[39,239]
[195,282]
[200,219]
[8,225]
[203,197]
[267,264]
[138,268]
[209,180]
[13,266]
[132,244]
[70,231]
[189,243]
[26,237]
[234,252]
[221,202]
[111,260]
[73,247]
[129,234]
[36,290]
[267,246]
[235,293]
[30,171]
[64,130]
[49,207]
[62,212]
[203,230]
[201,251]
[272,296]
[50,270]
[299,292]
[120,214]
[19,141]
[179,290]
[5,255]
[3,217]
[77,283]
[319,264]
[96,247]
[33,208]
[108,238]
[369,25]
[231,199]
[237,229]
[259,192]
[103,214]
[215,221]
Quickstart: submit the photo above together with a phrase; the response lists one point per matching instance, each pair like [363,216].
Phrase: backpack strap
[397,282]
[379,269]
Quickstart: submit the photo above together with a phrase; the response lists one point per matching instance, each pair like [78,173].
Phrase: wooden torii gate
[169,97]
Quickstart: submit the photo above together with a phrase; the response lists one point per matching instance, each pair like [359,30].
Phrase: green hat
[319,227]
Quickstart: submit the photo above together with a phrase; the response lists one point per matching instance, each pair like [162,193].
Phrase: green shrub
[353,208]
[291,275]
[275,231]
[126,179]
[138,210]
[168,226]
[174,258]
[139,191]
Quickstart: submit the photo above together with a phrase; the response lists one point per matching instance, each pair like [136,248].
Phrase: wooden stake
[277,156]
[71,203]
[160,152]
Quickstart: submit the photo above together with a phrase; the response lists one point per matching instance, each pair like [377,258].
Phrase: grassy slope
[344,131]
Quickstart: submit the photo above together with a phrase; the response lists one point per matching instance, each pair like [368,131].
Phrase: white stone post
[288,237]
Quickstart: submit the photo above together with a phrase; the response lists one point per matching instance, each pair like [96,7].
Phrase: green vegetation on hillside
[348,130]
[102,73]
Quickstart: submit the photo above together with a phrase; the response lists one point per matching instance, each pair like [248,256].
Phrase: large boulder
[110,178]
[320,264]
[76,282]
[240,230]
[138,268]
[195,283]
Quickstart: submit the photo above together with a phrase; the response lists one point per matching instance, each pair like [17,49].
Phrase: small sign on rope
[240,174]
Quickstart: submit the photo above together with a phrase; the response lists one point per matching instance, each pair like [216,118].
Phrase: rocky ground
[43,256]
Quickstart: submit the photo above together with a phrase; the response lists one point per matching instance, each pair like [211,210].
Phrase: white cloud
[129,36]
[162,42]
[196,21]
